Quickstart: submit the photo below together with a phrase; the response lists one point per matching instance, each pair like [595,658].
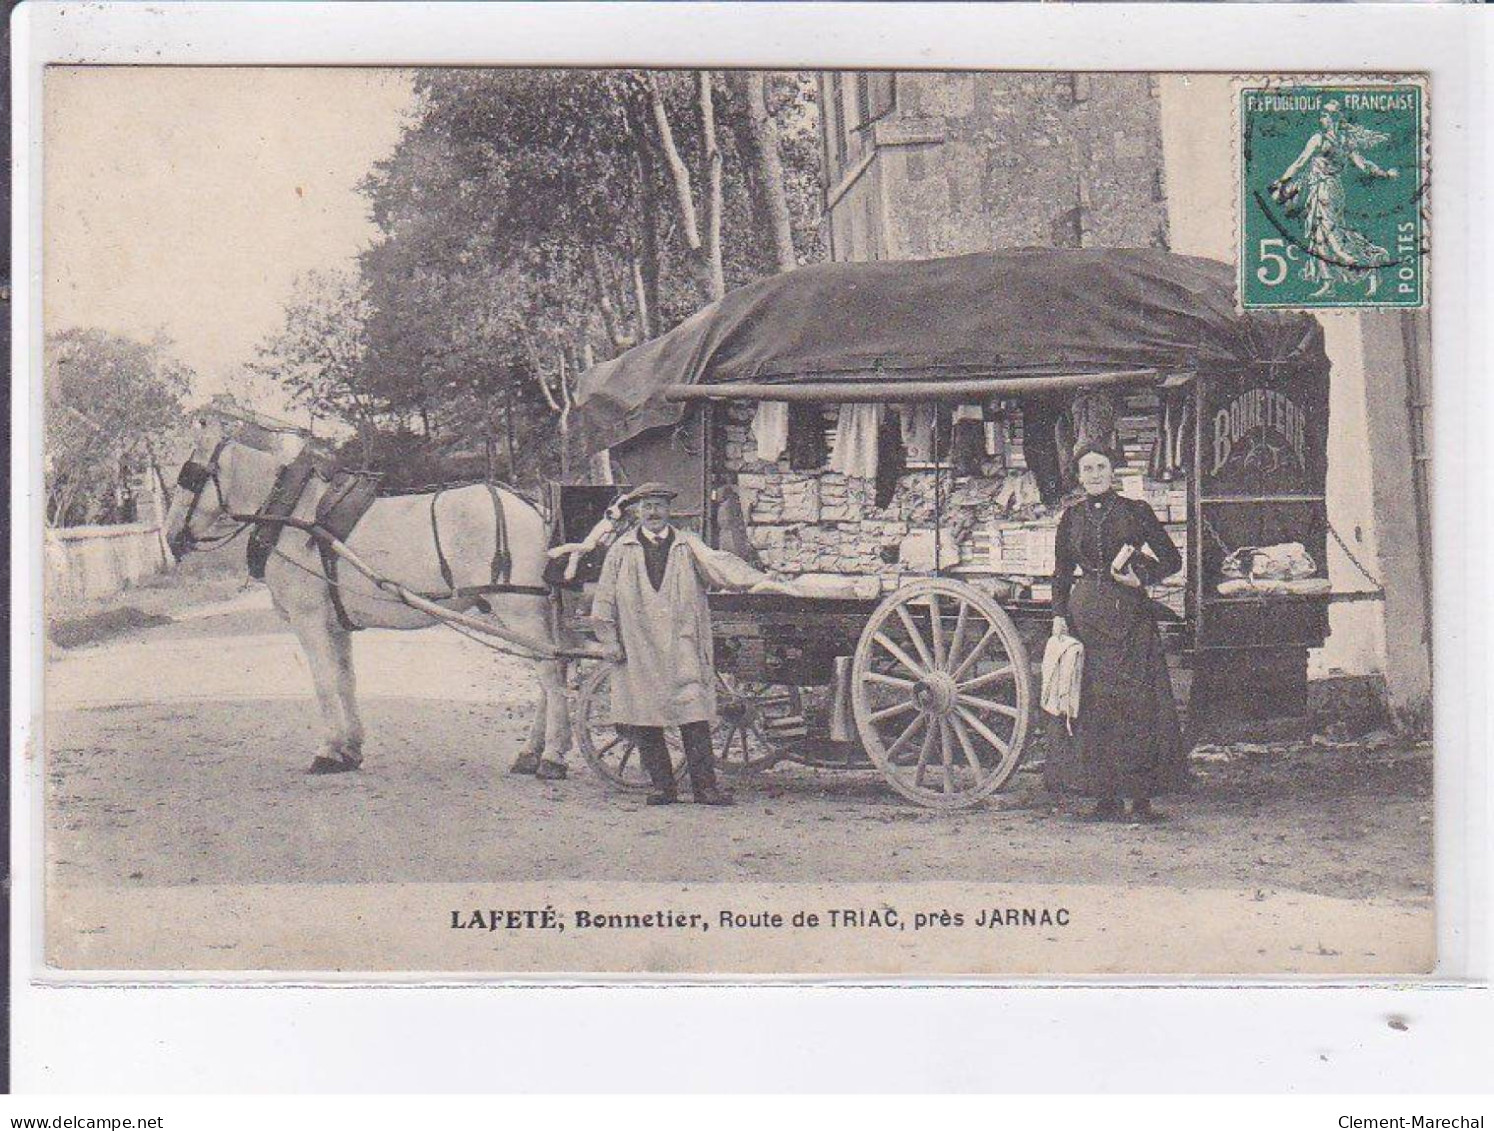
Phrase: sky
[188,200]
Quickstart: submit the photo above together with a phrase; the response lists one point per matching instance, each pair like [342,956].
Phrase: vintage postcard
[560,522]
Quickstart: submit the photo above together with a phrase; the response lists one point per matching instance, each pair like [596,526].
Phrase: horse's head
[198,504]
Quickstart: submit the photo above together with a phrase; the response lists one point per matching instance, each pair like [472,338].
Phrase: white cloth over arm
[855,451]
[1063,673]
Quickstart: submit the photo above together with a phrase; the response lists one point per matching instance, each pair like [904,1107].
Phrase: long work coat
[1127,742]
[667,676]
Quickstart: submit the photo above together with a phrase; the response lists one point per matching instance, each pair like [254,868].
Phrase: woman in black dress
[1126,743]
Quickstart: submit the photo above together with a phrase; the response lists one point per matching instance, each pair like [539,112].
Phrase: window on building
[835,120]
[876,95]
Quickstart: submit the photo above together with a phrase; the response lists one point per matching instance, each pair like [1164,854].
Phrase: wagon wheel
[941,691]
[608,751]
[753,721]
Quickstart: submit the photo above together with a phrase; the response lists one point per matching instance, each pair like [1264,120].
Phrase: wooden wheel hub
[935,694]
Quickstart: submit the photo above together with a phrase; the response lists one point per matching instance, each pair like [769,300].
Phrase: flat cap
[648,491]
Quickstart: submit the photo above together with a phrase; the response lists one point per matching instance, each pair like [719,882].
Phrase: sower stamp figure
[655,625]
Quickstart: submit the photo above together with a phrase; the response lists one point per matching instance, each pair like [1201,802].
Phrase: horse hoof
[526,763]
[324,765]
[551,771]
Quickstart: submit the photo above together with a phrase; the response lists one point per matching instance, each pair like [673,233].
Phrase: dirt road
[175,758]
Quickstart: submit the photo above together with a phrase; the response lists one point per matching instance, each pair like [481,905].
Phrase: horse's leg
[346,687]
[544,754]
[528,760]
[557,720]
[329,657]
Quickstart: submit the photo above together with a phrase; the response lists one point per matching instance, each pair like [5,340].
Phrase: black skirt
[1126,740]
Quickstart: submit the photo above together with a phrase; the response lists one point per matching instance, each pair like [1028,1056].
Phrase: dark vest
[656,557]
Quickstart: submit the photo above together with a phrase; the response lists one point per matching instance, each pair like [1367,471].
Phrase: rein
[195,477]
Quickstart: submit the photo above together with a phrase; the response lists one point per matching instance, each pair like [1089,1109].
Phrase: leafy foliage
[533,221]
[112,402]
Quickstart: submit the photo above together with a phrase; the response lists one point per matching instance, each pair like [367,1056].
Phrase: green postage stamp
[1333,186]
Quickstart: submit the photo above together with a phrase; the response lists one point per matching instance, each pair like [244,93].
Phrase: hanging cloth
[770,428]
[806,437]
[1095,414]
[855,450]
[995,425]
[1042,420]
[918,432]
[967,446]
[892,458]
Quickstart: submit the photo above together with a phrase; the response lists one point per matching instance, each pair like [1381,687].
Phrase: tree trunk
[760,145]
[713,192]
[508,421]
[620,340]
[640,297]
[704,253]
[646,262]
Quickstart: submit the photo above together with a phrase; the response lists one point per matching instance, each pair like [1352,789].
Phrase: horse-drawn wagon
[896,437]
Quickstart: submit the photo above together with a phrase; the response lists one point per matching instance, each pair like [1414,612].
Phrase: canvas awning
[1021,314]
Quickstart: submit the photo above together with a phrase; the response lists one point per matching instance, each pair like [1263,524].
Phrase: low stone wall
[84,563]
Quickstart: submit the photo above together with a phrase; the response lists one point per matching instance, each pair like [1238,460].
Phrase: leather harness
[338,512]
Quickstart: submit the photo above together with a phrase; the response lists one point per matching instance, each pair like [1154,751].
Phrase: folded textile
[1285,561]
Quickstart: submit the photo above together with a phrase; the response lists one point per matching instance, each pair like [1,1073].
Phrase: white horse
[228,476]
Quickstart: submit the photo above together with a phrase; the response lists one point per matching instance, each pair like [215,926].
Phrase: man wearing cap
[655,626]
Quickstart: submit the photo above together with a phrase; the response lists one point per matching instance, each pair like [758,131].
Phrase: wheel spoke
[898,654]
[915,636]
[976,652]
[923,754]
[965,745]
[988,705]
[945,741]
[1006,671]
[936,630]
[889,712]
[731,732]
[622,763]
[952,656]
[905,739]
[984,731]
[890,680]
[602,751]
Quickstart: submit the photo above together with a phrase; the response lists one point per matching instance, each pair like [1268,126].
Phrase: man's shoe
[710,795]
[1106,810]
[526,763]
[661,799]
[321,764]
[1143,813]
[551,770]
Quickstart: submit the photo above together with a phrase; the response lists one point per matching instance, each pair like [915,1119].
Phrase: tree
[319,354]
[112,402]
[533,221]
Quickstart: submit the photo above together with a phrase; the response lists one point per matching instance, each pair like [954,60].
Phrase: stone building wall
[975,161]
